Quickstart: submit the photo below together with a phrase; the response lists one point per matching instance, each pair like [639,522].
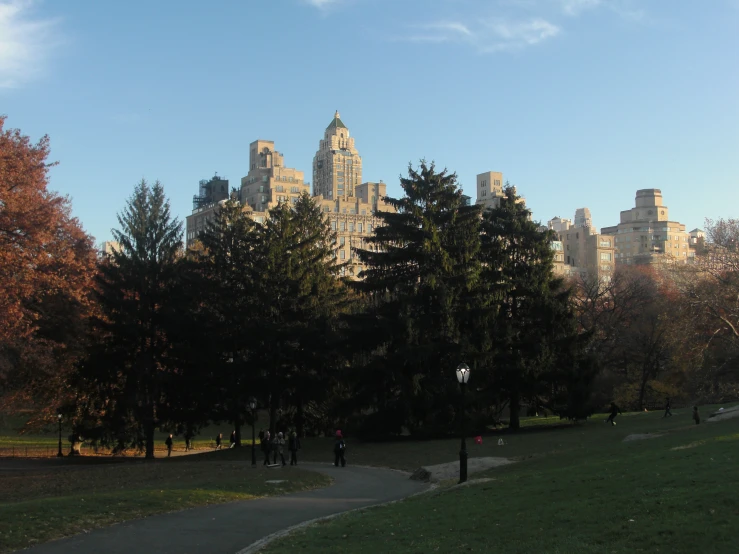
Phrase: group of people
[272,446]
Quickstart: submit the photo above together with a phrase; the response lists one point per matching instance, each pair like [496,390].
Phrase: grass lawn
[576,490]
[51,502]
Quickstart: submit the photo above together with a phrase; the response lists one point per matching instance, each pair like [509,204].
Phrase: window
[606,243]
[359,227]
[341,240]
[369,227]
[342,254]
[326,209]
[294,189]
[261,188]
[333,226]
[497,182]
[351,227]
[605,256]
[343,226]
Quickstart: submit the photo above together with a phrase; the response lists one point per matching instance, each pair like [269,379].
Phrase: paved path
[229,528]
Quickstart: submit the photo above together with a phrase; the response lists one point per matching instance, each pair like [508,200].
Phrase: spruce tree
[123,378]
[418,286]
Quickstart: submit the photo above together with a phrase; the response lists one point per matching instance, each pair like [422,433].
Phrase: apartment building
[584,251]
[645,234]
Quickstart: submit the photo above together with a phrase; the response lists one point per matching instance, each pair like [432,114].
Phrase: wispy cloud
[25,42]
[493,35]
[576,7]
[322,4]
[622,8]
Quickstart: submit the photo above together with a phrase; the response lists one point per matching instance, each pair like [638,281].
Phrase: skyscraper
[337,166]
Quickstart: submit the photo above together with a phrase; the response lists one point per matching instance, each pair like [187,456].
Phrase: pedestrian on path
[668,411]
[615,410]
[293,446]
[266,446]
[188,440]
[219,438]
[339,449]
[168,442]
[233,439]
[696,416]
[280,447]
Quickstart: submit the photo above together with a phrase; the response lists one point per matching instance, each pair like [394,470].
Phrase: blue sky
[577,102]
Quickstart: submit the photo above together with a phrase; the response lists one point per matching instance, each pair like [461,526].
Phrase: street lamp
[253,407]
[59,417]
[463,375]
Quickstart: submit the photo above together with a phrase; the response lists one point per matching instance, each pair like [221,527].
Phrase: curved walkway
[229,528]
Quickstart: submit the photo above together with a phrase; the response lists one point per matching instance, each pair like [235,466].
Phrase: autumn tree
[47,263]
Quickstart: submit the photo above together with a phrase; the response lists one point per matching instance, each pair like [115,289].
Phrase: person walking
[188,440]
[219,439]
[280,448]
[339,449]
[233,439]
[615,410]
[293,446]
[266,444]
[696,416]
[168,442]
[668,411]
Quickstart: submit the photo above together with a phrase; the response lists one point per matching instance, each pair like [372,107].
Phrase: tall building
[337,166]
[489,189]
[210,193]
[584,252]
[349,204]
[645,234]
[584,219]
[269,182]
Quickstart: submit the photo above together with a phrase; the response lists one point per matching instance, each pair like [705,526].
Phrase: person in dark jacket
[168,442]
[293,445]
[696,416]
[188,440]
[668,410]
[615,410]
[279,445]
[266,447]
[219,438]
[339,450]
[233,439]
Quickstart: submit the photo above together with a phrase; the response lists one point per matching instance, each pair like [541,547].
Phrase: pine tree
[123,378]
[418,286]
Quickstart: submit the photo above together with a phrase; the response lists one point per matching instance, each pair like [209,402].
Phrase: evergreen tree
[418,286]
[527,332]
[123,377]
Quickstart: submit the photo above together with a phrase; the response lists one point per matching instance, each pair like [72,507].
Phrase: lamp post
[59,417]
[463,375]
[253,407]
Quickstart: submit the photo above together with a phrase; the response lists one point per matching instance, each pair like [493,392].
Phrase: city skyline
[577,103]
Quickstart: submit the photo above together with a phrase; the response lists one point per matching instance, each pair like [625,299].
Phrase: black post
[59,454]
[253,440]
[463,450]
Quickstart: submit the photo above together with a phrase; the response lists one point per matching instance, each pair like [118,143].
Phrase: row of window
[342,227]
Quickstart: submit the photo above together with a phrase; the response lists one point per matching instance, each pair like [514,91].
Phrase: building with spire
[349,203]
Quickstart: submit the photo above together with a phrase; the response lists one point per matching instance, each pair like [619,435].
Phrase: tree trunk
[300,417]
[237,427]
[515,408]
[149,432]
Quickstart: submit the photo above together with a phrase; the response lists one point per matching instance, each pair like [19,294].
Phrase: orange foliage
[47,262]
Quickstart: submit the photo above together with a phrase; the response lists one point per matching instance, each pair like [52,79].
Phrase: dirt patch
[450,470]
[641,437]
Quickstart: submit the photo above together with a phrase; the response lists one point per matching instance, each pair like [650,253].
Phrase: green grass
[577,490]
[45,504]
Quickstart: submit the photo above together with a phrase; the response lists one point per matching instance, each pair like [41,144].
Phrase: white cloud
[25,42]
[576,7]
[487,36]
[322,4]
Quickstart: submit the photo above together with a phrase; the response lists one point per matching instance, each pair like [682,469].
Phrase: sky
[579,103]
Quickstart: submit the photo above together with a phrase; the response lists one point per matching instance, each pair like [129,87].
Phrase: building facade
[347,203]
[645,234]
[584,251]
[489,189]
